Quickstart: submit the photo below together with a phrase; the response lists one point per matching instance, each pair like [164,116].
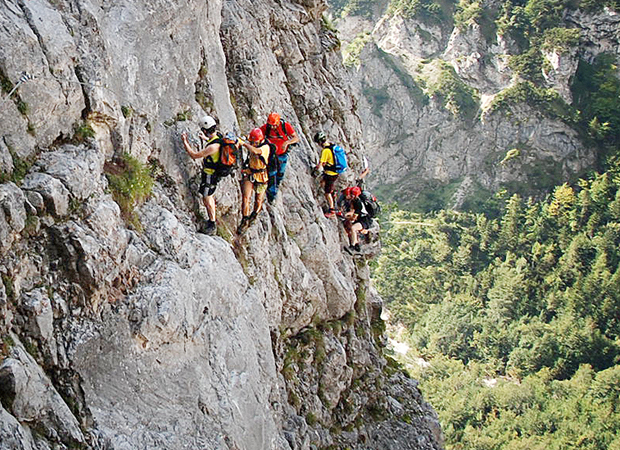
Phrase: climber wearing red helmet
[282,135]
[358,218]
[255,177]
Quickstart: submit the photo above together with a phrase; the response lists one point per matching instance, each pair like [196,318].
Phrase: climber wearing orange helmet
[255,176]
[282,135]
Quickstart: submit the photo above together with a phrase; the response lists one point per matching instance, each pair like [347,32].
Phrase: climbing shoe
[353,249]
[330,213]
[245,223]
[252,217]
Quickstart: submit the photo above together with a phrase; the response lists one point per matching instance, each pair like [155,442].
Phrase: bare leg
[246,189]
[209,202]
[258,202]
[356,228]
[330,201]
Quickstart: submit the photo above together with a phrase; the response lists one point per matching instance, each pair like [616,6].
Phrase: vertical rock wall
[153,335]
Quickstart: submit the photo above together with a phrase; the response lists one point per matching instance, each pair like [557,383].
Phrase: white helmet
[207,122]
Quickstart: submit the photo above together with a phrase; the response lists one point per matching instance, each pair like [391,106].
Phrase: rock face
[153,335]
[436,126]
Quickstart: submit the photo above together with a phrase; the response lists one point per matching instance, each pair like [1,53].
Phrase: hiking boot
[210,228]
[352,249]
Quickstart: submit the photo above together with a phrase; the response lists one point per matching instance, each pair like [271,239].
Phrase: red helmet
[256,135]
[355,191]
[273,119]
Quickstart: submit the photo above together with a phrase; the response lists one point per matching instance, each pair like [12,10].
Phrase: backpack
[340,159]
[272,162]
[227,160]
[370,204]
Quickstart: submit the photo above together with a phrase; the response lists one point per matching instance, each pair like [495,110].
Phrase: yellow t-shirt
[260,163]
[214,157]
[327,159]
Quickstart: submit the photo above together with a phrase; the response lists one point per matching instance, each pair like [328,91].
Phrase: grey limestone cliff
[154,335]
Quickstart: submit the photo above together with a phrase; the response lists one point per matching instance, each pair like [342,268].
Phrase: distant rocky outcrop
[447,121]
[129,329]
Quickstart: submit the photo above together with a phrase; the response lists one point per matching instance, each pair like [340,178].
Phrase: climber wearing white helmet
[208,148]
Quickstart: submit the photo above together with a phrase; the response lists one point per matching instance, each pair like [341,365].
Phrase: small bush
[424,9]
[561,39]
[547,101]
[127,111]
[23,107]
[131,184]
[362,8]
[184,116]
[351,53]
[528,65]
[83,131]
[467,14]
[456,96]
[5,83]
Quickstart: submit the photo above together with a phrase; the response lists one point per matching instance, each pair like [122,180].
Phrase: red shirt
[276,136]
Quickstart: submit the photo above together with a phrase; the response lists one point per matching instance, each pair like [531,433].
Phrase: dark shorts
[365,221]
[328,182]
[208,183]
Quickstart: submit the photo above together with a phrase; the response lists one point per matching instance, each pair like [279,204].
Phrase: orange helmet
[256,135]
[273,119]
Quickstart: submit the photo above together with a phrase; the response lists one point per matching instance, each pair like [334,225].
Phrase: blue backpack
[340,159]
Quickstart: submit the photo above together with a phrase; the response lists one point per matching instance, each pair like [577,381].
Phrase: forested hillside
[510,308]
[517,316]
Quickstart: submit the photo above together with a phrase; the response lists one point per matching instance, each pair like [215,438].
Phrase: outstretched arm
[195,154]
[251,148]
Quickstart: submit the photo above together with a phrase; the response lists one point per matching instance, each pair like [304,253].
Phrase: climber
[209,149]
[283,136]
[333,161]
[357,216]
[255,176]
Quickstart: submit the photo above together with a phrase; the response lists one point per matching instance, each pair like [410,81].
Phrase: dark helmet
[320,137]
